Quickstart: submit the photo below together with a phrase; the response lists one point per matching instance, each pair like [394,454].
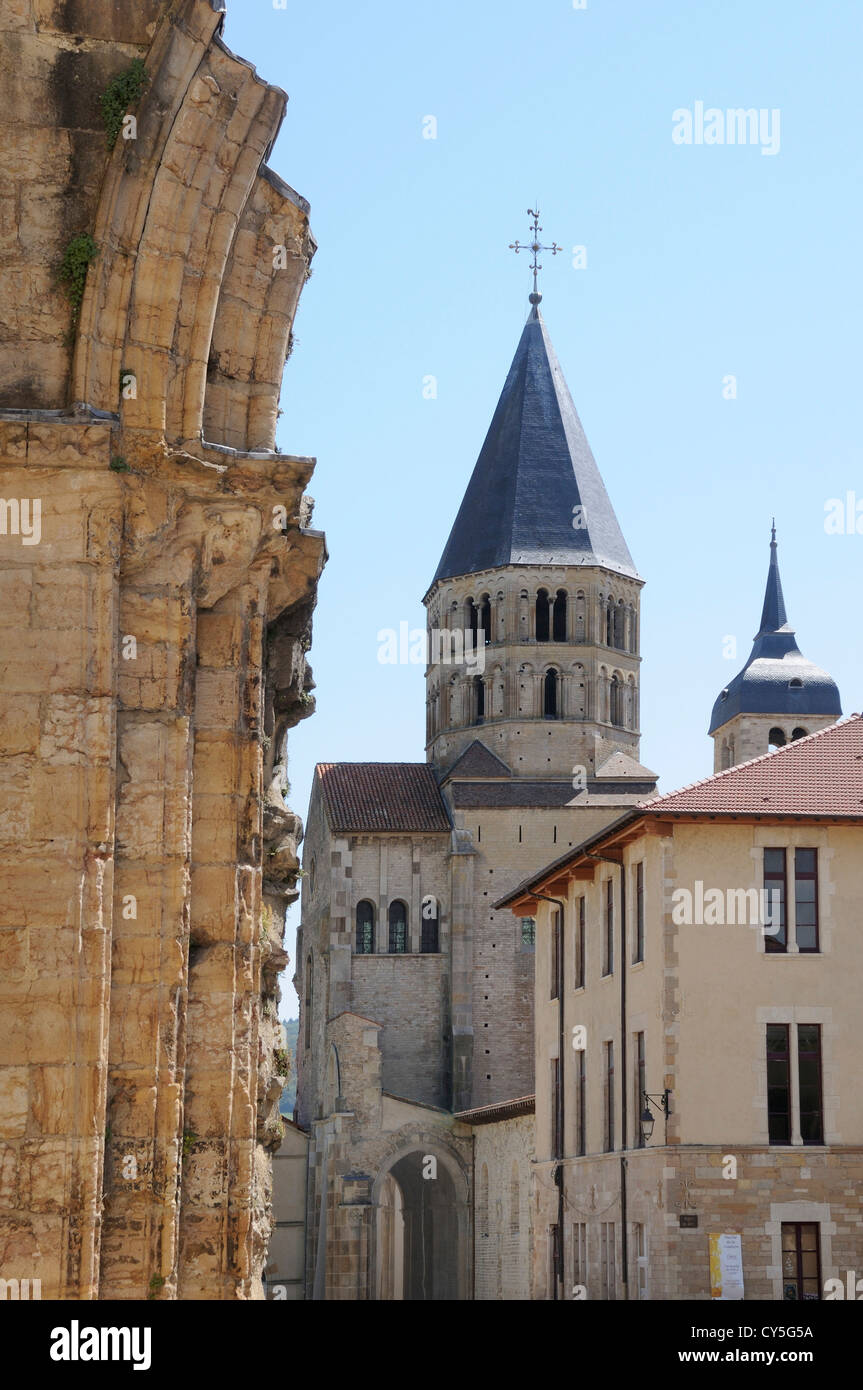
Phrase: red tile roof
[821,775]
[382,797]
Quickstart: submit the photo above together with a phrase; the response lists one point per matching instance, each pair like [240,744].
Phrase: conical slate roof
[534,469]
[777,678]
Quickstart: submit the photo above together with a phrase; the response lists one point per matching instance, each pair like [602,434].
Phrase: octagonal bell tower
[533,613]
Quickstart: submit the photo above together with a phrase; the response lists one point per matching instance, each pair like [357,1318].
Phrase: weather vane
[535,247]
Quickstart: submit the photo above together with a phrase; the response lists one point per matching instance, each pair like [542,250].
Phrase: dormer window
[796,684]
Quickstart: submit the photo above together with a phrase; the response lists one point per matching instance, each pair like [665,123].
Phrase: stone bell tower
[533,614]
[779,696]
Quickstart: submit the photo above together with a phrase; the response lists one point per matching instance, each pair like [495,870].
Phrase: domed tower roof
[777,678]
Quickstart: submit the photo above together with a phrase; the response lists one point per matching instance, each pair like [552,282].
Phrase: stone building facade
[158,575]
[713,1091]
[532,705]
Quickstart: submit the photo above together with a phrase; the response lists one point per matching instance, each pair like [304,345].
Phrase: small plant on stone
[72,271]
[282,1060]
[125,91]
[156,1283]
[119,465]
[188,1140]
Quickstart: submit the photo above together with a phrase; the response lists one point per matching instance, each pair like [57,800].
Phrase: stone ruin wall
[152,653]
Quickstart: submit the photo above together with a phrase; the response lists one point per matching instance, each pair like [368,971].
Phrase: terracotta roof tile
[382,797]
[821,775]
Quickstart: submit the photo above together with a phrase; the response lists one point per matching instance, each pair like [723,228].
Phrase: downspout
[624,1259]
[560,1261]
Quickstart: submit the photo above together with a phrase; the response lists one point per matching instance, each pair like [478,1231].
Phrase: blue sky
[703,262]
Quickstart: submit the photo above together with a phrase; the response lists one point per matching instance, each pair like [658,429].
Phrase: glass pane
[789,1238]
[810,1266]
[777,1038]
[774,861]
[805,860]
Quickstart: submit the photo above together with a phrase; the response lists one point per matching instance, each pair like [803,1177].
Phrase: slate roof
[382,797]
[821,775]
[478,761]
[764,684]
[533,469]
[619,766]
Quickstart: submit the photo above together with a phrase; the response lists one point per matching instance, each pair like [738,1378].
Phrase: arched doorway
[421,1229]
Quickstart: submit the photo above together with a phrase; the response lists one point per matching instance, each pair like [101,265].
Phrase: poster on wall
[726,1266]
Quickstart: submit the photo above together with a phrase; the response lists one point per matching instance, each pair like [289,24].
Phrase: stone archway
[421,1228]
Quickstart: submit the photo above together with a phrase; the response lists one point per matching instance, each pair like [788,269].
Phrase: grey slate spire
[534,469]
[773,614]
[777,678]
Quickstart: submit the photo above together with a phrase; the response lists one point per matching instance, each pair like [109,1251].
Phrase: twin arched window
[397,921]
[551,616]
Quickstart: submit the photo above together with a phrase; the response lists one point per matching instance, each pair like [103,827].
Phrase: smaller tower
[778,696]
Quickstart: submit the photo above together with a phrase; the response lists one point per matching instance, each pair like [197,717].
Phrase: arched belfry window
[776,738]
[616,702]
[478,699]
[609,623]
[472,613]
[485,618]
[559,616]
[799,733]
[619,623]
[398,923]
[549,701]
[542,632]
[365,928]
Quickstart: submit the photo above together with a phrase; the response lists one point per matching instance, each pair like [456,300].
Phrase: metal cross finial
[534,246]
[773,531]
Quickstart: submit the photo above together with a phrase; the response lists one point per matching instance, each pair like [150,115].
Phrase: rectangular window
[638,953]
[778,1084]
[430,936]
[801,1262]
[775,887]
[528,933]
[609,1097]
[579,943]
[579,1253]
[806,898]
[640,1088]
[554,947]
[555,1108]
[606,1259]
[809,1075]
[580,1107]
[608,935]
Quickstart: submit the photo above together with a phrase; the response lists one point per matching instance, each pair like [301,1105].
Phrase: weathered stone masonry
[152,655]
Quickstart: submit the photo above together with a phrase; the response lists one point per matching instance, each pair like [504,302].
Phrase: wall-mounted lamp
[660,1105]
